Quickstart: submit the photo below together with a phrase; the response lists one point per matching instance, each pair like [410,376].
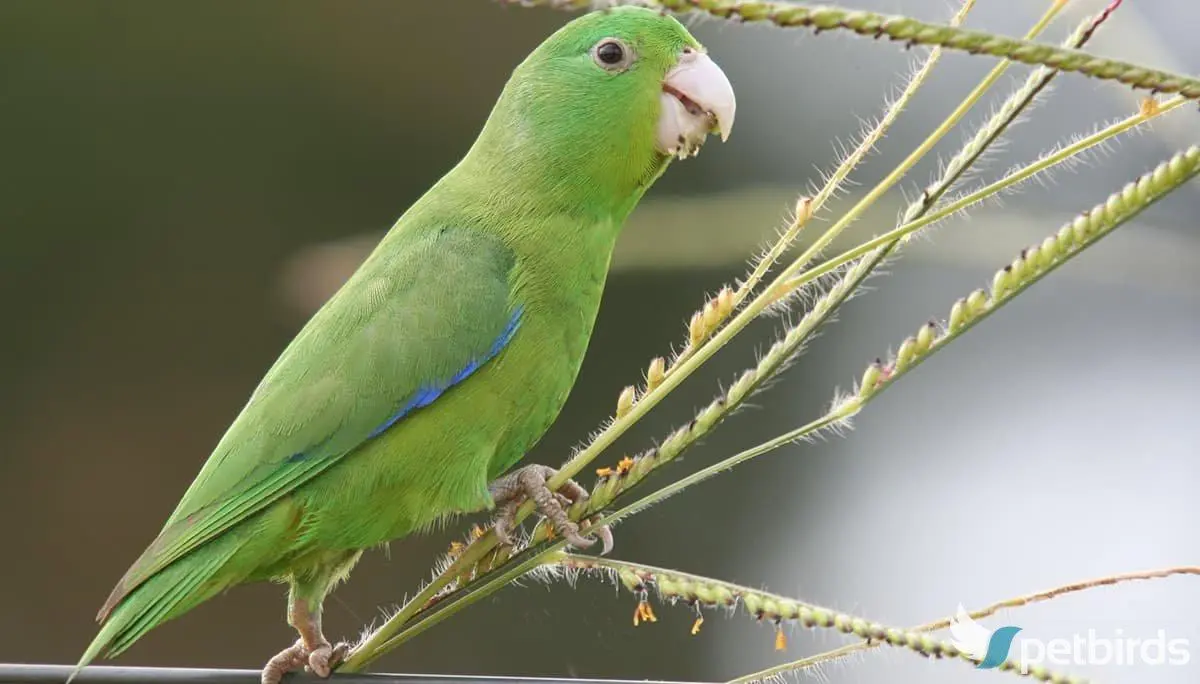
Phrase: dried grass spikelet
[656,372]
[709,318]
[625,401]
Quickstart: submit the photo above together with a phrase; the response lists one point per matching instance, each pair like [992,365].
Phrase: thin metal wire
[57,674]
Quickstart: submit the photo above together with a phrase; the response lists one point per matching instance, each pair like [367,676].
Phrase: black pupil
[610,53]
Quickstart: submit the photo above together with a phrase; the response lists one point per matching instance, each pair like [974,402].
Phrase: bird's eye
[612,55]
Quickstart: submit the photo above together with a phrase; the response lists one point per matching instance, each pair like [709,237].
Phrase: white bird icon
[969,636]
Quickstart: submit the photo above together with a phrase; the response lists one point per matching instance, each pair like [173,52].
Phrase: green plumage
[462,333]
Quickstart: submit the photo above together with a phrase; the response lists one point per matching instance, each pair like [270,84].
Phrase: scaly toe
[287,660]
[502,524]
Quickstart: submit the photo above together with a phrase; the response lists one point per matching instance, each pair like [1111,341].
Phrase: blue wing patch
[428,394]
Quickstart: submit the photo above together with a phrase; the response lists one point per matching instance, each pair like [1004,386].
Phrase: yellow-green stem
[979,195]
[792,14]
[852,160]
[917,154]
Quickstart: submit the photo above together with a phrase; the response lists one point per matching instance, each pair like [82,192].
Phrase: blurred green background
[184,182]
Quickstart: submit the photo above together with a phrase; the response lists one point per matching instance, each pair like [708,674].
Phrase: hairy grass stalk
[701,593]
[868,143]
[805,210]
[1031,266]
[910,31]
[901,169]
[953,171]
[1010,181]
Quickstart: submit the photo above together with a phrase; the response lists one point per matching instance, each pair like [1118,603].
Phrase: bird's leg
[312,651]
[529,482]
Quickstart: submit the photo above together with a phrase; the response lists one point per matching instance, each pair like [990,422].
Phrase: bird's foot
[510,491]
[319,660]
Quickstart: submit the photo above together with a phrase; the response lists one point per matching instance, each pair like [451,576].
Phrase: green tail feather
[171,592]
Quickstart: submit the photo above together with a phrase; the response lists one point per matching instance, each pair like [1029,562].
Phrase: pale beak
[697,99]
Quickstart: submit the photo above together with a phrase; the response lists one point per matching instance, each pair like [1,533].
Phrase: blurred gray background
[184,182]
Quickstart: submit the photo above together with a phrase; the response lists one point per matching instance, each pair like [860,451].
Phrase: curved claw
[324,658]
[604,532]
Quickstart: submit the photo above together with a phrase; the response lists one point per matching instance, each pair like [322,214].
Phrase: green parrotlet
[445,357]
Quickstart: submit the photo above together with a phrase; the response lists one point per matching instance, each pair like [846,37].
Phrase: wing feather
[428,308]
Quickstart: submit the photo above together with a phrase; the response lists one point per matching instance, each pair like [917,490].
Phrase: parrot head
[623,90]
[638,65]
